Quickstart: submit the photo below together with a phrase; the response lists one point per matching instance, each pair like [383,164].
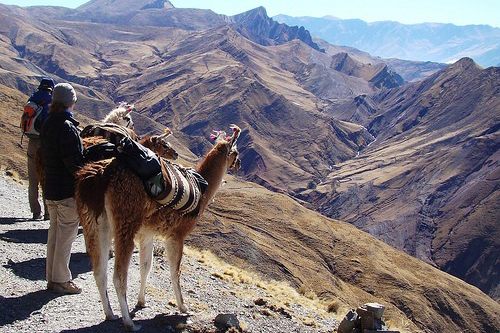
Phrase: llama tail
[91,183]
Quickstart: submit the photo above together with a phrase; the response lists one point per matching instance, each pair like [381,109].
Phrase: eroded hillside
[429,183]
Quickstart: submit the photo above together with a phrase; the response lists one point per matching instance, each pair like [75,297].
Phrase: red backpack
[31,112]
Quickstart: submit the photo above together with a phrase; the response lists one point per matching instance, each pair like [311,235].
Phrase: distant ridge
[123,6]
[439,42]
[379,74]
[257,26]
[253,24]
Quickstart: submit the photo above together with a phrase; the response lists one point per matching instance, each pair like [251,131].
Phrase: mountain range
[332,128]
[438,42]
[431,174]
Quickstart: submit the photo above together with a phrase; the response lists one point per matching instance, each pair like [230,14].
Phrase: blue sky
[459,12]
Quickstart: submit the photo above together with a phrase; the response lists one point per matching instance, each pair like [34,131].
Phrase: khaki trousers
[33,149]
[62,232]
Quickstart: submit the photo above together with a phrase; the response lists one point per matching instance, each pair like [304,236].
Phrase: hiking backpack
[30,124]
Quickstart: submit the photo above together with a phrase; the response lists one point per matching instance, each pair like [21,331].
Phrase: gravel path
[26,306]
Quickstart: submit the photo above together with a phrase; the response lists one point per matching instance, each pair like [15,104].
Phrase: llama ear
[166,133]
[236,134]
[218,136]
[129,108]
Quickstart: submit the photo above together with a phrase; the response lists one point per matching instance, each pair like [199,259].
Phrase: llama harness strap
[109,131]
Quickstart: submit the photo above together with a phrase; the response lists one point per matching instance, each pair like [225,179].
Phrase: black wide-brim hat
[46,83]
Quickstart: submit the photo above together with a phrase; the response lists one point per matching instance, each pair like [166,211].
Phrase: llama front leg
[146,260]
[174,248]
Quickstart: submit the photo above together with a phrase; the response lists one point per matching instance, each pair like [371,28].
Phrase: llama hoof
[183,308]
[112,317]
[133,328]
[141,305]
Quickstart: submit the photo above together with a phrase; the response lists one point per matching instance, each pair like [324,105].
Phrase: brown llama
[119,208]
[157,143]
[120,115]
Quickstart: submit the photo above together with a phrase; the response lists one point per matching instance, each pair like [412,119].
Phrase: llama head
[228,143]
[121,115]
[162,147]
[234,161]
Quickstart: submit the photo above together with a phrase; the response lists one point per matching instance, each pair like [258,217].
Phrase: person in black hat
[42,97]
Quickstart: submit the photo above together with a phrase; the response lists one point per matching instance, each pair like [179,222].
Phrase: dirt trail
[26,305]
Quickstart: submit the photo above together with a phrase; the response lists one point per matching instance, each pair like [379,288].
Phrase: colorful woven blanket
[177,187]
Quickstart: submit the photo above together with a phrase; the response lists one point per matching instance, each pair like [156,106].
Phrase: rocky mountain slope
[380,75]
[409,71]
[198,81]
[437,42]
[277,238]
[429,183]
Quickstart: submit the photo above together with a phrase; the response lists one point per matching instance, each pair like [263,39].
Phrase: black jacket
[62,152]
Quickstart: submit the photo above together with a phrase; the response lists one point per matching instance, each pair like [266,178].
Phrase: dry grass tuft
[309,322]
[307,292]
[333,307]
[303,289]
[281,295]
[217,275]
[13,174]
[402,325]
[243,325]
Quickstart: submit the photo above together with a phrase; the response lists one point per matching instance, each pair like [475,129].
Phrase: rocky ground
[26,305]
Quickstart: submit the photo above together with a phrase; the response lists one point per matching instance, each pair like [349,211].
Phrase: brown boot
[65,288]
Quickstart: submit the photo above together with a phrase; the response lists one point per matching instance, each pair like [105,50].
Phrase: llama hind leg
[124,247]
[146,260]
[101,266]
[174,248]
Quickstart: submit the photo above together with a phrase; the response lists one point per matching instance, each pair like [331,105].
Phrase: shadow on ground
[22,307]
[13,220]
[28,236]
[160,323]
[34,269]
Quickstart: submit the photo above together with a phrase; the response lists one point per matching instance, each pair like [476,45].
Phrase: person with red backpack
[35,113]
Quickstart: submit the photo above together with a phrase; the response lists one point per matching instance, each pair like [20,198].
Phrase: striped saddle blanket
[177,187]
